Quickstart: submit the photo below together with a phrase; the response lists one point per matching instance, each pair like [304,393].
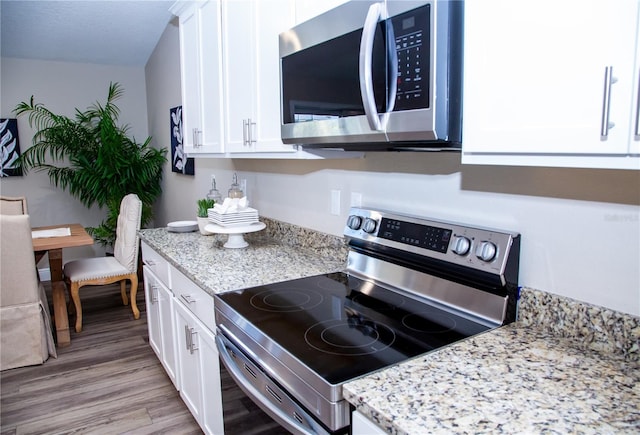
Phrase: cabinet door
[239,66]
[210,383]
[272,17]
[199,370]
[535,76]
[153,311]
[165,302]
[190,77]
[201,75]
[211,77]
[252,73]
[189,364]
[361,425]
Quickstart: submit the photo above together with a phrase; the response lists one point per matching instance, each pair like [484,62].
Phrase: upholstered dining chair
[121,267]
[13,205]
[26,336]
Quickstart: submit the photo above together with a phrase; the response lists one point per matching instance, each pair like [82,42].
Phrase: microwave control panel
[412,35]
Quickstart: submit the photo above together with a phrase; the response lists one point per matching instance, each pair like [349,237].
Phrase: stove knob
[369,226]
[354,222]
[461,245]
[486,251]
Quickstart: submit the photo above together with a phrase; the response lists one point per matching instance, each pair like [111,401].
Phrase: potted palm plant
[204,205]
[93,157]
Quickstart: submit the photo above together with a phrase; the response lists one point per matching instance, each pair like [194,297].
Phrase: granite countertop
[515,379]
[267,259]
[563,367]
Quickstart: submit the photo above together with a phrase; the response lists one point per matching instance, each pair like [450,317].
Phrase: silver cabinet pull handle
[187,337]
[605,125]
[154,293]
[192,345]
[245,132]
[196,137]
[250,128]
[636,130]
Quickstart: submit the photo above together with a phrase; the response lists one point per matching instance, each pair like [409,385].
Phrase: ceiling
[108,32]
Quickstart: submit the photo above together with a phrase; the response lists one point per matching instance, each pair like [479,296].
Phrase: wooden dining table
[54,246]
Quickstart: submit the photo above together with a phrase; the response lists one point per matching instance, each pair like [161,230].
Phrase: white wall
[62,87]
[580,228]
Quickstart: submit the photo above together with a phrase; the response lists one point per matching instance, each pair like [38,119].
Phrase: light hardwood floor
[109,381]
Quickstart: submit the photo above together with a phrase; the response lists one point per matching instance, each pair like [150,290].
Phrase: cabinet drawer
[156,263]
[199,302]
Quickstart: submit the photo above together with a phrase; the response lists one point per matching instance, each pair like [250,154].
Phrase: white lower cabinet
[159,302]
[361,425]
[182,333]
[199,370]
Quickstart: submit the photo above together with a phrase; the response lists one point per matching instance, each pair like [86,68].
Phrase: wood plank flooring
[109,381]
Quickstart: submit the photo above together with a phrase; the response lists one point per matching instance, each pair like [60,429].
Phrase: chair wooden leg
[75,296]
[134,291]
[123,292]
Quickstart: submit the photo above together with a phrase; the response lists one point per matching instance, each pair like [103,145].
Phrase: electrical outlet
[335,202]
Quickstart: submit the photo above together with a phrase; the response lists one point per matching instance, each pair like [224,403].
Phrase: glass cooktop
[342,327]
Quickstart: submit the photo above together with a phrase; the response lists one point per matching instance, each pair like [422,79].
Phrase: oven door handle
[288,422]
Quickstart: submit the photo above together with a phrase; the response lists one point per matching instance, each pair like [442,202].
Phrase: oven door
[264,391]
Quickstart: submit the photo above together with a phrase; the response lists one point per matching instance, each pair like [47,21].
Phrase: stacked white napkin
[231,205]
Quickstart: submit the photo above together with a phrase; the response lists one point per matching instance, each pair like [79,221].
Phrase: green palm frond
[93,158]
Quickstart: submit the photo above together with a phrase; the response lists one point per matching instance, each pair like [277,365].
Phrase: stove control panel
[476,247]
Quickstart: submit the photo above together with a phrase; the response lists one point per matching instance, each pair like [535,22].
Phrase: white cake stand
[236,233]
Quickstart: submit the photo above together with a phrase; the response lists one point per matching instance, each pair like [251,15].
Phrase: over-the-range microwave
[375,75]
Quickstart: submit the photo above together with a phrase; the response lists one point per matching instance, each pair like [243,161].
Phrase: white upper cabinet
[551,83]
[252,73]
[201,75]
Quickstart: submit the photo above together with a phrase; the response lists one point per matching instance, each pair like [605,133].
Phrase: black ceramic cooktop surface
[343,327]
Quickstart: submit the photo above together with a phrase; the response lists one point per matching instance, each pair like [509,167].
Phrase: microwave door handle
[392,65]
[366,60]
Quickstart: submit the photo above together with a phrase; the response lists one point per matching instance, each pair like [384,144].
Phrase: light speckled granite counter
[564,367]
[281,252]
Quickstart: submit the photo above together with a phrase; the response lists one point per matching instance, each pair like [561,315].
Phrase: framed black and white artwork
[10,150]
[179,161]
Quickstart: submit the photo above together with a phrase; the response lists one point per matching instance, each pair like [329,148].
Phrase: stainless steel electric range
[411,285]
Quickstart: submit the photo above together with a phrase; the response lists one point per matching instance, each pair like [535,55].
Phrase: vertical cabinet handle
[636,130]
[245,132]
[605,125]
[188,338]
[154,293]
[251,128]
[197,135]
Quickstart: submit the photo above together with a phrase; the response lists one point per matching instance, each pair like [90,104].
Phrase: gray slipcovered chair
[121,267]
[26,336]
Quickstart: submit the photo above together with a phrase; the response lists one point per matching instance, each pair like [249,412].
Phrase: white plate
[182,226]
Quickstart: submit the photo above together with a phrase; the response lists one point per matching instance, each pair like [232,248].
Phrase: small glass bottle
[235,191]
[214,193]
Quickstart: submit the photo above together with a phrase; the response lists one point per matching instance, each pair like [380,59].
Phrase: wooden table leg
[59,300]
